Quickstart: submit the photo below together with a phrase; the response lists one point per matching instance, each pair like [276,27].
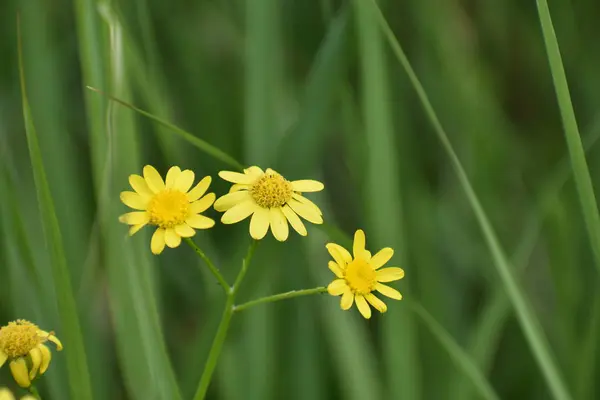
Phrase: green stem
[33,390]
[280,296]
[211,266]
[242,273]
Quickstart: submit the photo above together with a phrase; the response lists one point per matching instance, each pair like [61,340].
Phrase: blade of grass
[526,317]
[77,367]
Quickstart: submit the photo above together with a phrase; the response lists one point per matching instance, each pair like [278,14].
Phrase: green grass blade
[527,319]
[77,367]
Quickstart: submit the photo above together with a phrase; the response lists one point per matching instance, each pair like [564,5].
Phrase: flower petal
[184,181]
[184,230]
[237,187]
[3,358]
[255,171]
[382,256]
[236,177]
[200,221]
[229,200]
[199,189]
[36,360]
[337,256]
[362,305]
[140,186]
[135,218]
[6,394]
[172,239]
[202,205]
[46,357]
[306,212]
[307,202]
[18,368]
[239,212]
[259,224]
[134,200]
[337,287]
[172,176]
[359,243]
[294,220]
[347,300]
[134,228]
[335,268]
[388,291]
[279,225]
[307,185]
[56,342]
[153,179]
[390,274]
[341,252]
[157,243]
[376,303]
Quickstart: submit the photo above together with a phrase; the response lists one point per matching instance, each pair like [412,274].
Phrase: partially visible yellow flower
[170,205]
[22,343]
[271,200]
[358,277]
[6,394]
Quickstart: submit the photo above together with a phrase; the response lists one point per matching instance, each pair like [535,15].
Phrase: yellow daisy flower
[358,277]
[170,205]
[6,394]
[22,343]
[271,200]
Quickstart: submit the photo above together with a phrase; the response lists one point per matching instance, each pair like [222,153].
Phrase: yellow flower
[171,206]
[22,343]
[271,200]
[6,394]
[358,277]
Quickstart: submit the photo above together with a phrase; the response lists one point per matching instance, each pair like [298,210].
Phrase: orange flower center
[168,208]
[271,191]
[360,276]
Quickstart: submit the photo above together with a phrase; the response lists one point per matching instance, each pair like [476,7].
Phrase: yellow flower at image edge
[271,200]
[22,343]
[360,276]
[6,394]
[170,205]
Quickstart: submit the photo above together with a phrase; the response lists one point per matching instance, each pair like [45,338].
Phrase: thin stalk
[245,263]
[281,296]
[213,269]
[34,392]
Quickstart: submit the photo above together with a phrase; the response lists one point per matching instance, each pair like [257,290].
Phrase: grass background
[315,89]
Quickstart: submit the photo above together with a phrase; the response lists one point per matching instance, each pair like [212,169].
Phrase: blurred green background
[313,89]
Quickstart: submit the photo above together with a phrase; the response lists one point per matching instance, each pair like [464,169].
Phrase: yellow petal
[362,305]
[18,368]
[172,239]
[184,230]
[57,342]
[335,268]
[6,394]
[308,203]
[185,180]
[359,243]
[259,224]
[390,274]
[255,171]
[294,220]
[236,177]
[200,222]
[337,287]
[202,205]
[347,300]
[382,256]
[3,358]
[229,200]
[46,357]
[339,254]
[134,200]
[172,176]
[153,179]
[135,218]
[36,360]
[307,185]
[279,225]
[199,189]
[157,243]
[239,212]
[388,291]
[134,228]
[237,187]
[375,302]
[140,186]
[306,212]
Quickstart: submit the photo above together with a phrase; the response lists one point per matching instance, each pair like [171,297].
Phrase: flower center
[271,190]
[360,276]
[168,208]
[18,338]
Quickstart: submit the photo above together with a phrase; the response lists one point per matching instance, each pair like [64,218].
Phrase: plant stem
[211,266]
[280,296]
[33,390]
[242,273]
